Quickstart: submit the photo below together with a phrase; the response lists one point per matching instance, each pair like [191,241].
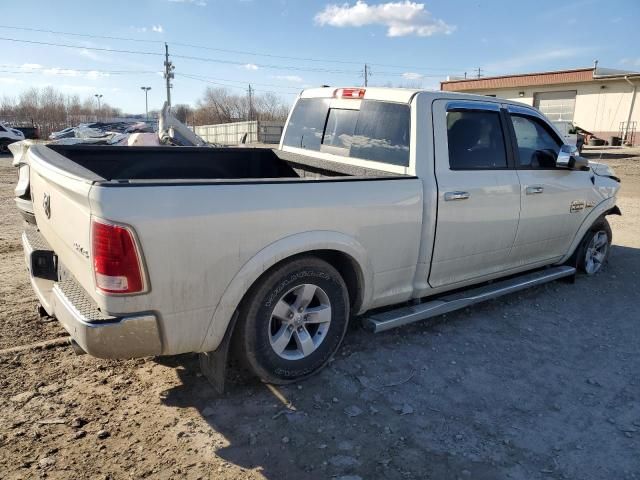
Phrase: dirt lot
[538,385]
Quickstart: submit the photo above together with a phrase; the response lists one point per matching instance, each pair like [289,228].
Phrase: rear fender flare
[273,254]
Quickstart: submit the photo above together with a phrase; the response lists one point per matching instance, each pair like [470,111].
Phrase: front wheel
[293,320]
[595,247]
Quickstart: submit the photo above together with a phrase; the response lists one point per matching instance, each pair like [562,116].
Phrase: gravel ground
[538,385]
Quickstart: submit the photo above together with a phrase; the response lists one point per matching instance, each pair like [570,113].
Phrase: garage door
[557,106]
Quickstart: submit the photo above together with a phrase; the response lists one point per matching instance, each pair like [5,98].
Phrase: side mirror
[569,157]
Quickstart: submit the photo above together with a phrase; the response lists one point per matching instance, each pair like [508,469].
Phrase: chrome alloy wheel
[299,322]
[596,252]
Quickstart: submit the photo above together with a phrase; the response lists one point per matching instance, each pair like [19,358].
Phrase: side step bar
[379,322]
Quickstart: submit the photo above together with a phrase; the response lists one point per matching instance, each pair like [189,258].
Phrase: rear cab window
[378,131]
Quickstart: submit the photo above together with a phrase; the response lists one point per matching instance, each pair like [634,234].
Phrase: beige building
[602,101]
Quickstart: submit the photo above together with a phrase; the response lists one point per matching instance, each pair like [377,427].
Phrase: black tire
[255,329]
[583,254]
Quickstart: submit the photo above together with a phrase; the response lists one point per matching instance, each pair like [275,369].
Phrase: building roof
[534,79]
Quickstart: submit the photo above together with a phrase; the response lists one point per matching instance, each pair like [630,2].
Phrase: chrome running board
[379,322]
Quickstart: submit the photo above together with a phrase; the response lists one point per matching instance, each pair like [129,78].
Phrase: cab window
[476,140]
[538,147]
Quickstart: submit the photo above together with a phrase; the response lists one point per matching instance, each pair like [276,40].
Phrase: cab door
[555,200]
[478,192]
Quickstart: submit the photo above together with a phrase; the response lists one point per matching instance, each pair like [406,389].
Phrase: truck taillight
[349,93]
[116,261]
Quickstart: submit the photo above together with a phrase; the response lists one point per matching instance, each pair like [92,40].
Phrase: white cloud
[69,72]
[10,81]
[401,18]
[289,78]
[65,72]
[157,28]
[250,66]
[412,76]
[94,74]
[198,3]
[30,66]
[89,54]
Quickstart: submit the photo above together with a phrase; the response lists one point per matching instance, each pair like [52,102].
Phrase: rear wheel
[595,247]
[293,321]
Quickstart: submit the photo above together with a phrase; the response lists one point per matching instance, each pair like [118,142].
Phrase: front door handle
[534,190]
[449,196]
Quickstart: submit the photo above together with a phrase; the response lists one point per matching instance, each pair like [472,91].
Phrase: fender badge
[46,205]
[576,206]
[590,204]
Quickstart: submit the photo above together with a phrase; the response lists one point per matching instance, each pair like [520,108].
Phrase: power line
[51,44]
[215,79]
[186,57]
[238,86]
[224,50]
[70,71]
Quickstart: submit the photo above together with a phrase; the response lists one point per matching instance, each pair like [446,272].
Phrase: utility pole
[98,96]
[146,101]
[367,74]
[168,72]
[479,72]
[250,102]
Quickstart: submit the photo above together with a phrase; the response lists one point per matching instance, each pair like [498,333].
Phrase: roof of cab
[402,95]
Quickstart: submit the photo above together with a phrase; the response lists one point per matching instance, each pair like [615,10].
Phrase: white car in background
[8,135]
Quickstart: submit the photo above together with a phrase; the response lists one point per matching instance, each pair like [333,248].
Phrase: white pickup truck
[392,205]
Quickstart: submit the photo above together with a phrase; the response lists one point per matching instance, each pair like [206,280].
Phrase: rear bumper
[25,207]
[101,335]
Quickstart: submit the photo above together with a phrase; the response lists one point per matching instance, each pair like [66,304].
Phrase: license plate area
[44,264]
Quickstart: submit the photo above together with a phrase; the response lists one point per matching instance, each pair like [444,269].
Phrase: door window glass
[537,146]
[476,140]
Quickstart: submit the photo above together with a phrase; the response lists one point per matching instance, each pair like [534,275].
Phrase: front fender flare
[614,211]
[271,255]
[606,207]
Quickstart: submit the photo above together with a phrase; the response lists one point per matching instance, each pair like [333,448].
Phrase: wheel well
[350,272]
[346,266]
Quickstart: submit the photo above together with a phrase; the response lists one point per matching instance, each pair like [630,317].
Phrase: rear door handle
[534,190]
[449,196]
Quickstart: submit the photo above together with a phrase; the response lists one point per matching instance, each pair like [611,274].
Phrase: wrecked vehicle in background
[170,132]
[8,136]
[115,133]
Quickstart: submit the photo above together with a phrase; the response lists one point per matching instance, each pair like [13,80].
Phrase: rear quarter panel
[197,238]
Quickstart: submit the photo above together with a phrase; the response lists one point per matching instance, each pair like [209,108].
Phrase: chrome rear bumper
[99,334]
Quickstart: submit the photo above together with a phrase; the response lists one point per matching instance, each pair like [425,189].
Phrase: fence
[233,133]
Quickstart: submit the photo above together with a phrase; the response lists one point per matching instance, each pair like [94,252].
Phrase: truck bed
[114,163]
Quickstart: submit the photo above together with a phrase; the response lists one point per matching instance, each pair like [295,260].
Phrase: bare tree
[182,112]
[51,110]
[219,105]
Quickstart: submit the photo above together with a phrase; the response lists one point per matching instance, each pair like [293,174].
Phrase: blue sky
[407,43]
